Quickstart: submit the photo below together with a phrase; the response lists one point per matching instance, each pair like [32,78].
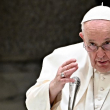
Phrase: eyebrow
[107,39]
[91,40]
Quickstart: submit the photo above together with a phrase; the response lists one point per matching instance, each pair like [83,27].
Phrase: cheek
[108,56]
[92,58]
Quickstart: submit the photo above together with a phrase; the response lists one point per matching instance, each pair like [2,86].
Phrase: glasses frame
[97,47]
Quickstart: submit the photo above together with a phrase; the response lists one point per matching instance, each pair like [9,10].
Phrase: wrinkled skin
[98,32]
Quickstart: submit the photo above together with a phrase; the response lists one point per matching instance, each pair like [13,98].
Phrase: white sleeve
[38,97]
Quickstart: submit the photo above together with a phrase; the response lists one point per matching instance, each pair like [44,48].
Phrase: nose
[100,53]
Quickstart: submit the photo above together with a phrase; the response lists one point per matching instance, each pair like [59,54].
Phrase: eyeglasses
[93,47]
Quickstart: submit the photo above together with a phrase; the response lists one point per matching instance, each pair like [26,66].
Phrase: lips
[101,63]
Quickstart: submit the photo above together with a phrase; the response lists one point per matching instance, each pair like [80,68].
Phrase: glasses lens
[106,46]
[90,48]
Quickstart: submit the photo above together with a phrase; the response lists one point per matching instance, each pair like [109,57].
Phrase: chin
[103,69]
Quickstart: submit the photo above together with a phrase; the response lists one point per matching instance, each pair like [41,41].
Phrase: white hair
[82,26]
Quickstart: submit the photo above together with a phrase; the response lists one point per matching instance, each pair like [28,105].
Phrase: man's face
[97,32]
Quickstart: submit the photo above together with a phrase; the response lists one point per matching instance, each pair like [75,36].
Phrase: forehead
[96,30]
[97,26]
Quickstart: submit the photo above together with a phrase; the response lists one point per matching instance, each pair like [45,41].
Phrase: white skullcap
[98,12]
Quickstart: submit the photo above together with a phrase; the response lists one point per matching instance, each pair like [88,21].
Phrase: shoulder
[71,50]
[53,61]
[63,54]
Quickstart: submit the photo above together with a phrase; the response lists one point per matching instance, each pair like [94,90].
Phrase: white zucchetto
[98,12]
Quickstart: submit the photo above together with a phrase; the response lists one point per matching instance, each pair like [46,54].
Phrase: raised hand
[62,77]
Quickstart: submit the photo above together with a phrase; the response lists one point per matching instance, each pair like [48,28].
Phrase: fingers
[63,74]
[66,80]
[68,68]
[68,62]
[69,72]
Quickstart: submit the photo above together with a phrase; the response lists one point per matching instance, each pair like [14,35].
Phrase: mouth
[101,63]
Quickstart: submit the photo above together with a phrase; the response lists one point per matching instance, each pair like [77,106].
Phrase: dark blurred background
[30,30]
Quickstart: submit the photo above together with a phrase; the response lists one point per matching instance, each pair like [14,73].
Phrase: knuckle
[64,80]
[59,69]
[65,68]
[73,64]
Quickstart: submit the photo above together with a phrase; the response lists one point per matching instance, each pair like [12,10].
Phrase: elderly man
[90,61]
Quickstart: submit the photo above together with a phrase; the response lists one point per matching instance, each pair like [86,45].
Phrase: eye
[92,44]
[107,42]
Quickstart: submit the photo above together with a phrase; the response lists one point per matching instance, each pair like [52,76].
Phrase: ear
[81,35]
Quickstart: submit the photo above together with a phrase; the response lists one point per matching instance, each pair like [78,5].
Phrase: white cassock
[37,97]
